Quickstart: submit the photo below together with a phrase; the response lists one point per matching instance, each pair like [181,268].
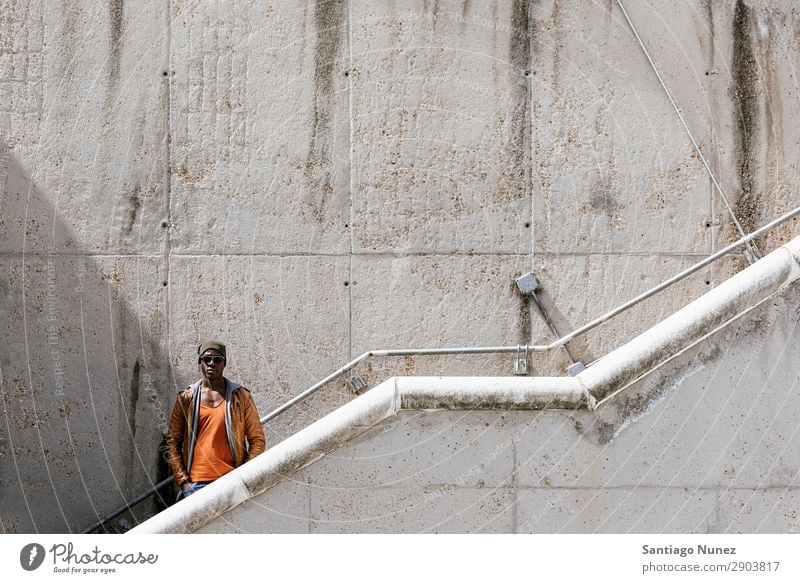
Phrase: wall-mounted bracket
[521,361]
[528,285]
[575,368]
[356,382]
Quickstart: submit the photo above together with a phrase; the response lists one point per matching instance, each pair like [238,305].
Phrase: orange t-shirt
[212,454]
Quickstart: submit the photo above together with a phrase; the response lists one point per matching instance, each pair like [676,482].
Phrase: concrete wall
[707,444]
[312,180]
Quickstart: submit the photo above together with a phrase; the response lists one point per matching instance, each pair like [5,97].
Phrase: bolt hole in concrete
[164,283]
[347,283]
[708,224]
[164,225]
[708,283]
[527,225]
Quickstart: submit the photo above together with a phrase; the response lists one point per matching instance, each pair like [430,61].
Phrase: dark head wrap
[212,345]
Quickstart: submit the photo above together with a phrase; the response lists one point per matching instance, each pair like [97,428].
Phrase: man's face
[212,364]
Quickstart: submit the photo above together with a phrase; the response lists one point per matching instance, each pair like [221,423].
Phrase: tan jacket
[242,423]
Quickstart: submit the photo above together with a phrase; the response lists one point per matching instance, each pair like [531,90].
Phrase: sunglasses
[210,359]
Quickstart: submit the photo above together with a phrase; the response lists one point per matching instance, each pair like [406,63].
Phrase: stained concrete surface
[711,448]
[312,180]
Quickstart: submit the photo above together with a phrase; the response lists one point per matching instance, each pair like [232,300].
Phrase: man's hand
[185,486]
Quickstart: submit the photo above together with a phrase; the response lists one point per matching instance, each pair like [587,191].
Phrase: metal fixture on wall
[528,284]
[356,382]
[521,361]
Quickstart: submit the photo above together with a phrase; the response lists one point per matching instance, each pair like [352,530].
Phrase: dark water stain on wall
[709,15]
[601,199]
[524,314]
[134,397]
[745,105]
[116,10]
[329,23]
[778,184]
[112,97]
[520,54]
[520,59]
[640,399]
[436,11]
[133,211]
[130,434]
[713,353]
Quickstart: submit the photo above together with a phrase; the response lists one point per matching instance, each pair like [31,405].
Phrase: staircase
[582,397]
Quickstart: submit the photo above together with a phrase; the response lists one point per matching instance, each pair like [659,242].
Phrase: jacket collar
[230,385]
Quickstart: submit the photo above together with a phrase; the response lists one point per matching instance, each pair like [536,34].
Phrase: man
[214,427]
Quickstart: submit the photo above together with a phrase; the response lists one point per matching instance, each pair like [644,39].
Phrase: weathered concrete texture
[456,301]
[369,510]
[97,188]
[287,513]
[411,510]
[753,93]
[762,511]
[622,510]
[451,301]
[605,282]
[82,192]
[477,454]
[85,126]
[440,161]
[734,428]
[92,432]
[706,444]
[612,170]
[312,180]
[285,321]
[259,127]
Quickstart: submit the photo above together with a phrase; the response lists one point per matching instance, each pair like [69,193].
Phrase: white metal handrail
[537,347]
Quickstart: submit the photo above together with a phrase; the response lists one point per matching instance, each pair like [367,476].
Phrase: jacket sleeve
[175,437]
[256,442]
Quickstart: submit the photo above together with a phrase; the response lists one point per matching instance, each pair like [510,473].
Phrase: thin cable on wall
[753,252]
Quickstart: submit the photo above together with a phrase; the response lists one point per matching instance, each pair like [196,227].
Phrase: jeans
[194,487]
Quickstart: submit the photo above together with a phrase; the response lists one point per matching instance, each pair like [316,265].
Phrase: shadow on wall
[86,387]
